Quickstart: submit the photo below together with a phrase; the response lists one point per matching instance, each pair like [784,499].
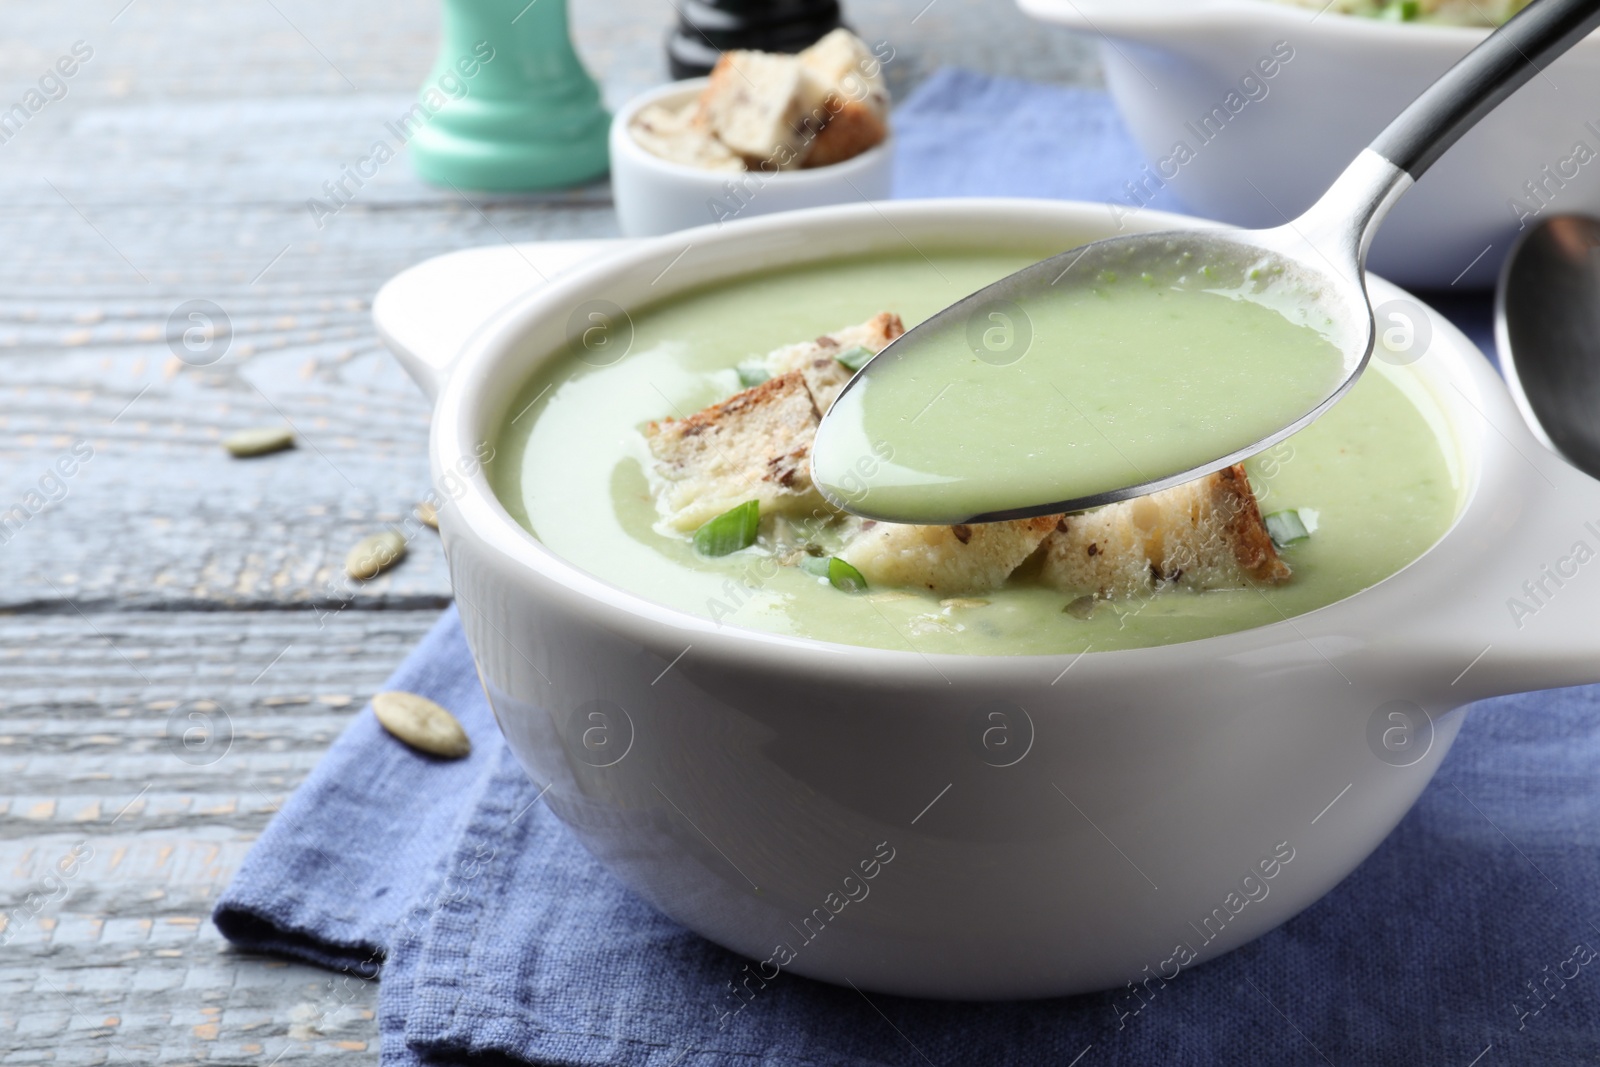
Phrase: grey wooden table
[176,646]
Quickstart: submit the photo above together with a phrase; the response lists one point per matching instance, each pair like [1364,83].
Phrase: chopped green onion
[1399,10]
[1287,528]
[729,532]
[840,574]
[855,358]
[844,577]
[752,374]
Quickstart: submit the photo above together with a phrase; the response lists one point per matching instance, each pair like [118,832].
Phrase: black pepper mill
[707,28]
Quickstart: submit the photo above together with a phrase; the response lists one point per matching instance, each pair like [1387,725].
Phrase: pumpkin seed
[421,723]
[428,514]
[258,441]
[375,554]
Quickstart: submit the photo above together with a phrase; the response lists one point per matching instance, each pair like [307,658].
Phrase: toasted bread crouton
[679,137]
[842,62]
[1205,534]
[856,104]
[851,130]
[765,107]
[756,445]
[825,375]
[874,335]
[949,560]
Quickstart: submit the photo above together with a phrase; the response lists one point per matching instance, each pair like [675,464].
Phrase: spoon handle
[1476,85]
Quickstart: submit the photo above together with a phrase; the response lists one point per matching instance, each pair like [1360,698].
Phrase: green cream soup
[1073,393]
[571,466]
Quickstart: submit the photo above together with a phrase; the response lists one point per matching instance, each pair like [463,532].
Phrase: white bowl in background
[655,196]
[755,774]
[1169,62]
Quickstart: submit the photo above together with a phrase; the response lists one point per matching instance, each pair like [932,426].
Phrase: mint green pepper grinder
[509,105]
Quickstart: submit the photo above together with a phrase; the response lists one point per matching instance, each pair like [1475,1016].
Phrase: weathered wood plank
[158,514]
[115,962]
[158,49]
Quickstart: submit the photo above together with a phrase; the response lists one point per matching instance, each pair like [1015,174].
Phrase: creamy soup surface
[570,466]
[1140,374]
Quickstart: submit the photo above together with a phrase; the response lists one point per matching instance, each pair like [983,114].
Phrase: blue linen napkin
[967,134]
[1469,938]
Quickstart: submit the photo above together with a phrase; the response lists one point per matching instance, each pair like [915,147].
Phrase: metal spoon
[1547,326]
[1325,249]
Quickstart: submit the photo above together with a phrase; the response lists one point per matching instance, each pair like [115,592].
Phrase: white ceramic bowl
[654,196]
[1170,62]
[740,780]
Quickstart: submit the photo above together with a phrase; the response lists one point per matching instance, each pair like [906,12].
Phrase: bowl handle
[427,313]
[1524,609]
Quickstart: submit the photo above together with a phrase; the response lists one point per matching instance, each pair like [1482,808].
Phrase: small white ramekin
[655,196]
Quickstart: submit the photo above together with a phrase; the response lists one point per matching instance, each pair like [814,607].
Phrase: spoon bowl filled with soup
[991,760]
